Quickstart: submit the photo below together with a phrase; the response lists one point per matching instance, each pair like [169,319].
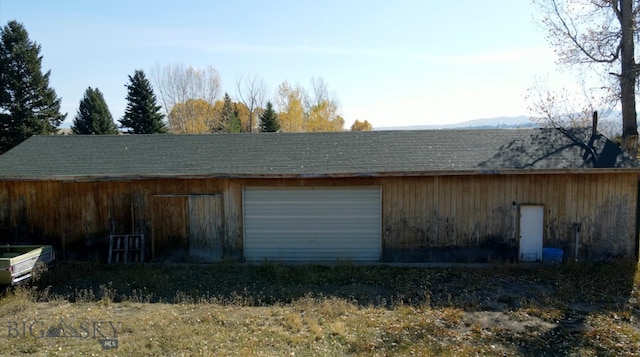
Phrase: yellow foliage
[289,101]
[361,126]
[243,113]
[195,116]
[323,117]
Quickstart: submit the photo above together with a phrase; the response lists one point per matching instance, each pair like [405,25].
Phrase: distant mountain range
[522,121]
[609,126]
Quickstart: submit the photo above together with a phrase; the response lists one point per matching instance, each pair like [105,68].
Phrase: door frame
[530,218]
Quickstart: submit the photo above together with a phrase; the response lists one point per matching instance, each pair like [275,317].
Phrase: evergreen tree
[235,124]
[269,120]
[93,116]
[28,106]
[142,114]
[228,120]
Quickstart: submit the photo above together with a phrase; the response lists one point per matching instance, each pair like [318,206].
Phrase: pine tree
[142,114]
[93,116]
[28,106]
[228,118]
[235,124]
[269,120]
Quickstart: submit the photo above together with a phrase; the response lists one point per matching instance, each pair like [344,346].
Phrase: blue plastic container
[552,255]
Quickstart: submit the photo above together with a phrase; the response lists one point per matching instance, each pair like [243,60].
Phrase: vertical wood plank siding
[205,227]
[423,218]
[169,226]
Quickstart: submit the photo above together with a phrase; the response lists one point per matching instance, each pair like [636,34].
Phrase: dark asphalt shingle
[310,154]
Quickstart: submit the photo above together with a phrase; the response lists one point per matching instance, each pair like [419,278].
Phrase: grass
[311,310]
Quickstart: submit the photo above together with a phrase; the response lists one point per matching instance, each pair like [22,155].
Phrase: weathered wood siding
[206,227]
[426,217]
[169,226]
[435,218]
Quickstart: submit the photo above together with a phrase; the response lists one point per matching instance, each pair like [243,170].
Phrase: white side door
[531,232]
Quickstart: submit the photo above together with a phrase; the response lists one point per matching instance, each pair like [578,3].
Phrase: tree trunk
[628,79]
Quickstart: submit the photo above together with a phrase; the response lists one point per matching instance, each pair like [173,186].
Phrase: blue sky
[389,62]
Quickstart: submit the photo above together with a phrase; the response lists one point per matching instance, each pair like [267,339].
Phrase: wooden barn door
[191,224]
[205,227]
[169,226]
[531,233]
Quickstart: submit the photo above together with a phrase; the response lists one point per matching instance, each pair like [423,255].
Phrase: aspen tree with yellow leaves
[195,116]
[290,104]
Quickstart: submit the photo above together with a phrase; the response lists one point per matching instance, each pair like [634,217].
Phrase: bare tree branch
[571,33]
[180,85]
[600,32]
[251,92]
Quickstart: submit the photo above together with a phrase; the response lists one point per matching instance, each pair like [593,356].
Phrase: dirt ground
[567,310]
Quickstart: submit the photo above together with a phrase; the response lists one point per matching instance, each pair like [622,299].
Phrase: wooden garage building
[390,196]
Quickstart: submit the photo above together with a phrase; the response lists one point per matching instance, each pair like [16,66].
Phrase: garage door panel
[306,224]
[286,241]
[296,193]
[300,219]
[312,224]
[324,256]
[296,235]
[276,208]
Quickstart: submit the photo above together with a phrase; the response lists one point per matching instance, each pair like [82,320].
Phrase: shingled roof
[375,153]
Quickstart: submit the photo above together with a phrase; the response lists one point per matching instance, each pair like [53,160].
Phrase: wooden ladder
[126,248]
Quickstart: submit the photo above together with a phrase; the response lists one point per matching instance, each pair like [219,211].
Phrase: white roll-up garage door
[312,224]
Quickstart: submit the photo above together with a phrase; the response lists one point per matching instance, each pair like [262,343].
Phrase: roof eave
[128,177]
